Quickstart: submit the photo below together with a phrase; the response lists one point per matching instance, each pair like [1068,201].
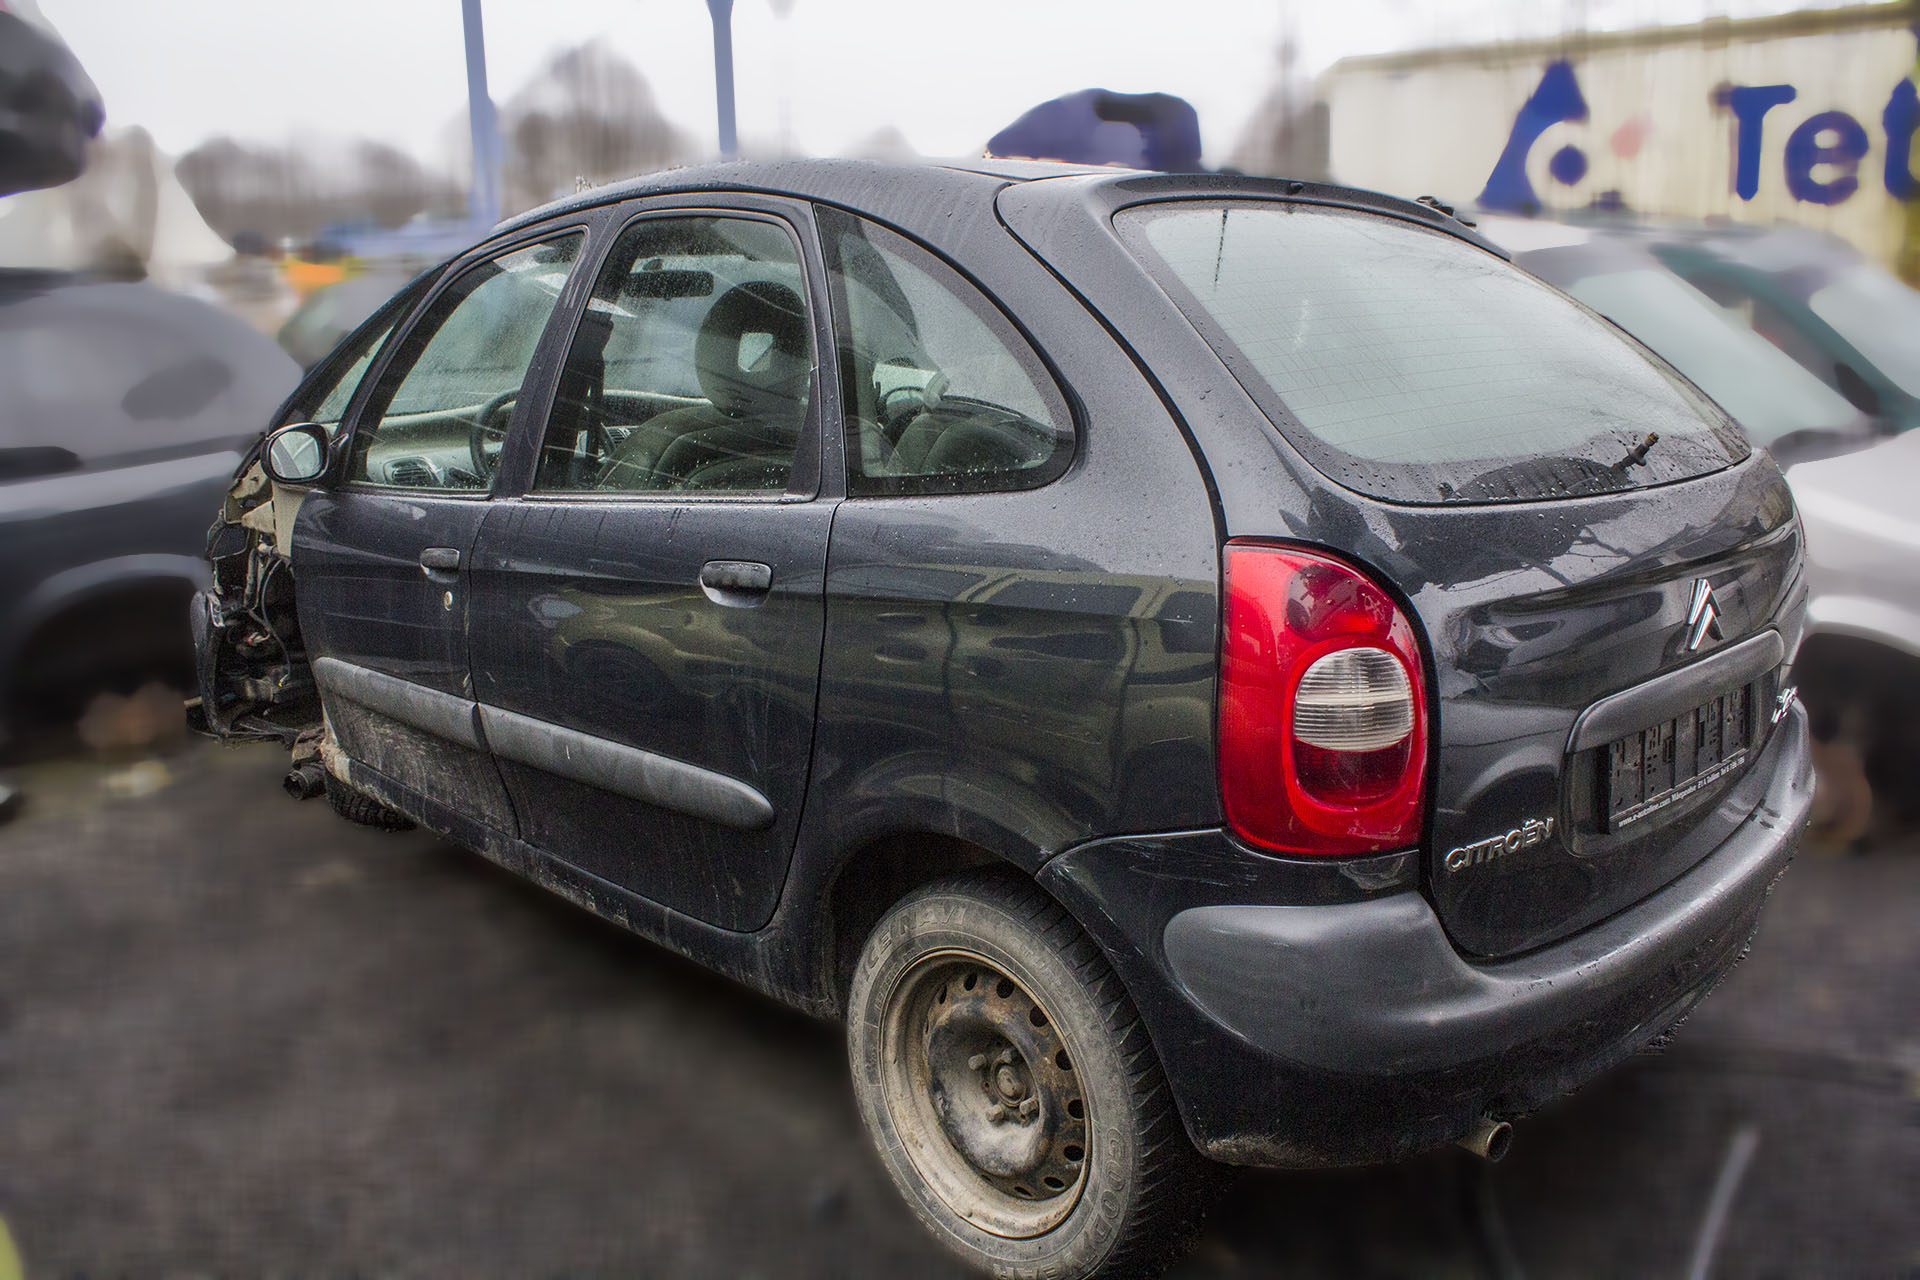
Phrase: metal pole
[483,197]
[722,14]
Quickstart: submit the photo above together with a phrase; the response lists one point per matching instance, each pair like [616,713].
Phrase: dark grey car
[1190,668]
[126,409]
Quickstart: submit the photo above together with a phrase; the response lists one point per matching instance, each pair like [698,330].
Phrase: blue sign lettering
[1900,119]
[1556,100]
[1750,104]
[1805,152]
[1827,138]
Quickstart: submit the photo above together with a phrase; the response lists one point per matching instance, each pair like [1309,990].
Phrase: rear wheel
[364,809]
[1012,1091]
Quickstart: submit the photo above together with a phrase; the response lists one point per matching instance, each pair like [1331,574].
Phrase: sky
[823,75]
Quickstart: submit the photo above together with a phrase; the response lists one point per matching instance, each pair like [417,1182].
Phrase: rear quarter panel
[1028,669]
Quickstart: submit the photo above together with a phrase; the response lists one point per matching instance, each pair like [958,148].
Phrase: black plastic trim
[1677,692]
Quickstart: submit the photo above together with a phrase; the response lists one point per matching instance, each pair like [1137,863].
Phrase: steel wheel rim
[985,1095]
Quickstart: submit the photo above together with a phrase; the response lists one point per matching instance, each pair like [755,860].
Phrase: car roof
[929,198]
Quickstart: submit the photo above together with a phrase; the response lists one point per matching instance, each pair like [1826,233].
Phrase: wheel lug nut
[977,1062]
[996,1112]
[1030,1108]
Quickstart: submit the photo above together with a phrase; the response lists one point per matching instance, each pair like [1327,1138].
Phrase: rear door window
[692,368]
[1413,366]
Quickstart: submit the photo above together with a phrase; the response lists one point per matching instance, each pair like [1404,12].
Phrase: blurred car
[127,409]
[1782,407]
[331,312]
[1182,665]
[1858,669]
[1859,666]
[1844,319]
[49,108]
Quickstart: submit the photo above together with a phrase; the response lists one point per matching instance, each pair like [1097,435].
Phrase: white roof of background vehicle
[1525,235]
[1863,542]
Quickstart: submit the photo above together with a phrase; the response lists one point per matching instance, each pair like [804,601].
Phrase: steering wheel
[485,439]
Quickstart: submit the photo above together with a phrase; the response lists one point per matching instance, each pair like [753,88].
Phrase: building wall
[1786,118]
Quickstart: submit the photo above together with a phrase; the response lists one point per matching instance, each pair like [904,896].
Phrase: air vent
[411,473]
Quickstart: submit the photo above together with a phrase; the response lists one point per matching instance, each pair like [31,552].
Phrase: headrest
[753,356]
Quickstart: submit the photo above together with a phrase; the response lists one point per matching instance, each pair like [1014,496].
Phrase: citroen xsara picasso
[1189,668]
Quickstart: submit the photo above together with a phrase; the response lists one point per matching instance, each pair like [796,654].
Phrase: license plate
[1661,765]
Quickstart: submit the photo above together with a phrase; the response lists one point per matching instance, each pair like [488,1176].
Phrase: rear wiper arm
[1637,456]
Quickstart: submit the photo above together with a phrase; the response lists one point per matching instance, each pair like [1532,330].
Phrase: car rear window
[1413,366]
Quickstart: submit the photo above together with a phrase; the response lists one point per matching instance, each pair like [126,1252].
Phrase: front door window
[440,413]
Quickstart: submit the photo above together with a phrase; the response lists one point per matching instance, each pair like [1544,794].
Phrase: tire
[363,809]
[1012,1091]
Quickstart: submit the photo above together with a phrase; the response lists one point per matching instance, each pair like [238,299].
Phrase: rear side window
[941,393]
[1412,366]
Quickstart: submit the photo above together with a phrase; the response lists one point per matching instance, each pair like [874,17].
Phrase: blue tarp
[1094,126]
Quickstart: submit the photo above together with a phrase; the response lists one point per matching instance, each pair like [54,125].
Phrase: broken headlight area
[250,656]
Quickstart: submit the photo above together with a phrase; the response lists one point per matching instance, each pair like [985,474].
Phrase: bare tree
[588,114]
[294,191]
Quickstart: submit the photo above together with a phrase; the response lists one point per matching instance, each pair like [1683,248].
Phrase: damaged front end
[251,660]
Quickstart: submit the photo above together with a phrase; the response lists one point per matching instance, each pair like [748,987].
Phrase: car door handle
[440,559]
[740,577]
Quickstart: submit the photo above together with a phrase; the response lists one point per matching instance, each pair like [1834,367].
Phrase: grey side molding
[441,714]
[628,771]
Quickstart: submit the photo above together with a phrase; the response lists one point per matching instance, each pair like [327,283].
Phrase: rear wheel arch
[871,879]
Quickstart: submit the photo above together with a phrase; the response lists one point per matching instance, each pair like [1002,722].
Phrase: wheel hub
[987,1063]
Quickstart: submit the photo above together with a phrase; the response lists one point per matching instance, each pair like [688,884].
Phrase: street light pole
[722,13]
[483,198]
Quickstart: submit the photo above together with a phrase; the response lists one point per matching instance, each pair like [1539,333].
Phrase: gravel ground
[241,1037]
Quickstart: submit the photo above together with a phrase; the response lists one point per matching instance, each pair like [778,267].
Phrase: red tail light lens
[1323,707]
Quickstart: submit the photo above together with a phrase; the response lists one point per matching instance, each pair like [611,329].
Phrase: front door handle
[440,559]
[736,577]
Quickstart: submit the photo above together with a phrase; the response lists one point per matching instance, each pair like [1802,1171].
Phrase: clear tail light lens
[1323,707]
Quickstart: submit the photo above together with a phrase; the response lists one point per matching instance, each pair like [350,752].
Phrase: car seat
[754,361]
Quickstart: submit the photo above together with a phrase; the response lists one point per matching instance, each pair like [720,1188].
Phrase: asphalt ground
[239,1036]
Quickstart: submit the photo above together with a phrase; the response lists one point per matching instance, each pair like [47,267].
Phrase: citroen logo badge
[1703,615]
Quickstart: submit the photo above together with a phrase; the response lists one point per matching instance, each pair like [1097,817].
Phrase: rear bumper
[1331,1021]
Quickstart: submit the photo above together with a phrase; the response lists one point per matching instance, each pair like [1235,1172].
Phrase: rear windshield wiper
[1637,456]
[1553,476]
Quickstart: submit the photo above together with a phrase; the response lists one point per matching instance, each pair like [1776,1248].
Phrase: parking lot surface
[240,1036]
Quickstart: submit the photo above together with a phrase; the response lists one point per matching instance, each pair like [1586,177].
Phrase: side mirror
[296,454]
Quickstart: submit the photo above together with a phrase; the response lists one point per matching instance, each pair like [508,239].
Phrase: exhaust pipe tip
[305,780]
[1489,1139]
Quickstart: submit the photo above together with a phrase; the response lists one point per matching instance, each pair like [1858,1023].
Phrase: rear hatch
[1607,580]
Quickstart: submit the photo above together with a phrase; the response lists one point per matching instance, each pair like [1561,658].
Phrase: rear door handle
[440,559]
[740,577]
